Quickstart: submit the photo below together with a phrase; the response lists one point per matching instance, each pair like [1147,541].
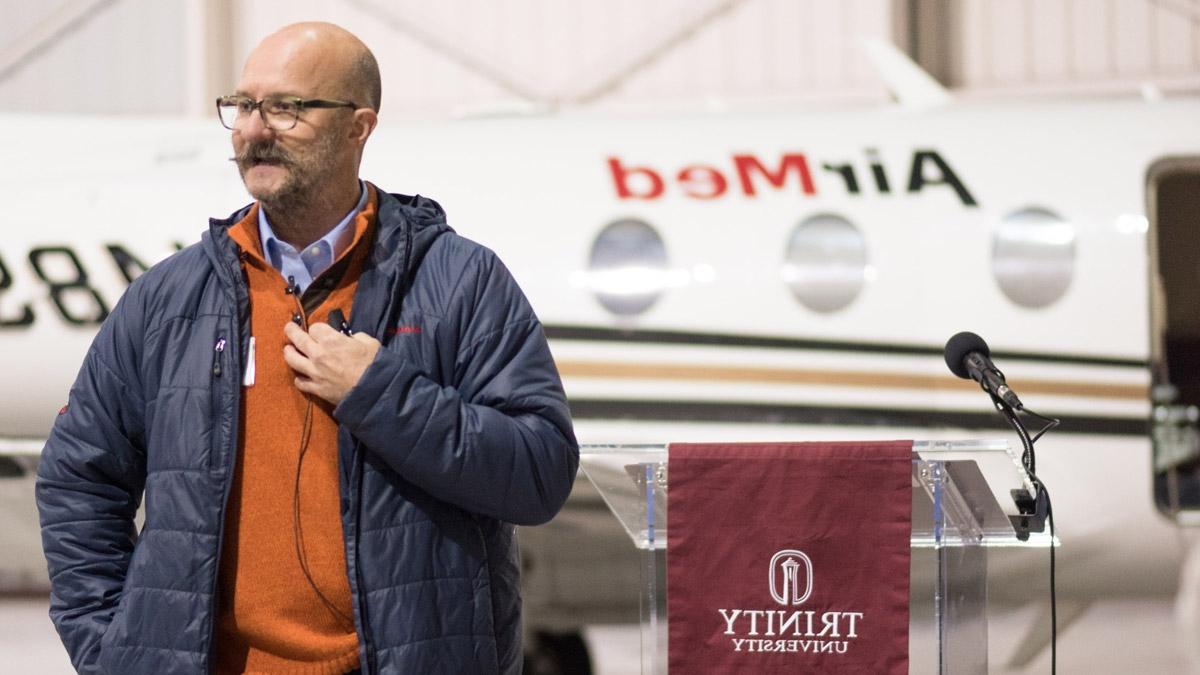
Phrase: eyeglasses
[278,112]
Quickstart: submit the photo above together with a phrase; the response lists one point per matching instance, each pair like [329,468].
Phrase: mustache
[260,152]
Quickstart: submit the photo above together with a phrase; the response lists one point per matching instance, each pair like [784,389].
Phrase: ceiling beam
[447,49]
[650,52]
[47,33]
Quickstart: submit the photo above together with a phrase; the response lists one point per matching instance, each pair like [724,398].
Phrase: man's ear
[364,123]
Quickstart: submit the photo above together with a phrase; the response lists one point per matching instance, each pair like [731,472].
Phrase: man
[323,494]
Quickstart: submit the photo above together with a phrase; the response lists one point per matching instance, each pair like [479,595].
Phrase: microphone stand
[1034,510]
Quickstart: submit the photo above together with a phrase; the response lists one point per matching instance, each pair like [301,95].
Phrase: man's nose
[252,129]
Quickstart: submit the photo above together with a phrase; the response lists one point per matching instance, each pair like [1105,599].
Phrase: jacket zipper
[216,389]
[218,349]
[227,481]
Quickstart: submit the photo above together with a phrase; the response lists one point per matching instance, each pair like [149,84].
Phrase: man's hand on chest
[327,363]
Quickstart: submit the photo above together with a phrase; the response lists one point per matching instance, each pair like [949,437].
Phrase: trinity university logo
[785,577]
[827,629]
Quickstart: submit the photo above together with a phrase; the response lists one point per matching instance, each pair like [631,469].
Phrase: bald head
[337,62]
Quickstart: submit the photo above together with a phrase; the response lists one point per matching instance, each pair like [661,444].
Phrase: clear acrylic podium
[962,502]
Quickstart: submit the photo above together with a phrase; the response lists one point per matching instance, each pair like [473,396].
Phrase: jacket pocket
[114,635]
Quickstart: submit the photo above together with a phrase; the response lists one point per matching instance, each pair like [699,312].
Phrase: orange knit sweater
[271,619]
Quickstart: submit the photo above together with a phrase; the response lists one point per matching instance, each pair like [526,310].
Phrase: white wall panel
[1050,40]
[1006,30]
[1132,47]
[827,46]
[1195,44]
[973,63]
[1174,35]
[788,34]
[706,72]
[21,16]
[749,48]
[864,19]
[766,48]
[619,47]
[1089,35]
[1016,44]
[123,57]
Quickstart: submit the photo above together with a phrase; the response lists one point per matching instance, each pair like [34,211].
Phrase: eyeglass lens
[276,114]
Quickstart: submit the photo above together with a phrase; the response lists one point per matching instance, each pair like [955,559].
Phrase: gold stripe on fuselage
[623,370]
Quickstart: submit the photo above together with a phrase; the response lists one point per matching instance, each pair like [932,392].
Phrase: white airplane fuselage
[725,348]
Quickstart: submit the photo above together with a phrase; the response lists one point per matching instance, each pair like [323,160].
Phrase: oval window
[826,262]
[627,267]
[1033,256]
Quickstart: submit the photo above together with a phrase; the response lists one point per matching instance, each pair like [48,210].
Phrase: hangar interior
[465,57]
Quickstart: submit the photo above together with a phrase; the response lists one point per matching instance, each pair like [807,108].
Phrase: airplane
[763,275]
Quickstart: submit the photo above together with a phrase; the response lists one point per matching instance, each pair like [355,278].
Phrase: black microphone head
[957,349]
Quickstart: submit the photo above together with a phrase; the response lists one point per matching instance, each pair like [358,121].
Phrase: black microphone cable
[297,524]
[1028,460]
[298,527]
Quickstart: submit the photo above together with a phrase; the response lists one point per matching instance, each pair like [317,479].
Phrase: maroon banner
[789,557]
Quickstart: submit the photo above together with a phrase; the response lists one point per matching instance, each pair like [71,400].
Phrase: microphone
[967,355]
[337,319]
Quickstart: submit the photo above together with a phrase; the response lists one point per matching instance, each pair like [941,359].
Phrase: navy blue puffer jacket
[457,430]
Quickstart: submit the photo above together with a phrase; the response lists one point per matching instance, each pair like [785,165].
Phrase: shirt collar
[306,265]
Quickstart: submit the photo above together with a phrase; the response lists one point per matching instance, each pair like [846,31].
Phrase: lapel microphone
[337,319]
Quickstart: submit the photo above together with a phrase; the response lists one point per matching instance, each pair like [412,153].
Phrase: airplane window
[1033,256]
[826,262]
[627,268]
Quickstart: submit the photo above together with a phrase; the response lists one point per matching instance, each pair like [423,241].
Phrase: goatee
[290,195]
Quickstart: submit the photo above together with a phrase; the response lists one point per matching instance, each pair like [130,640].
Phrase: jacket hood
[408,225]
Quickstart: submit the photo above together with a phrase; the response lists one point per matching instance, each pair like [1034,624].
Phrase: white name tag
[248,377]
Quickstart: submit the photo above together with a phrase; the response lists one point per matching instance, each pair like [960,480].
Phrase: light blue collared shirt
[304,266]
